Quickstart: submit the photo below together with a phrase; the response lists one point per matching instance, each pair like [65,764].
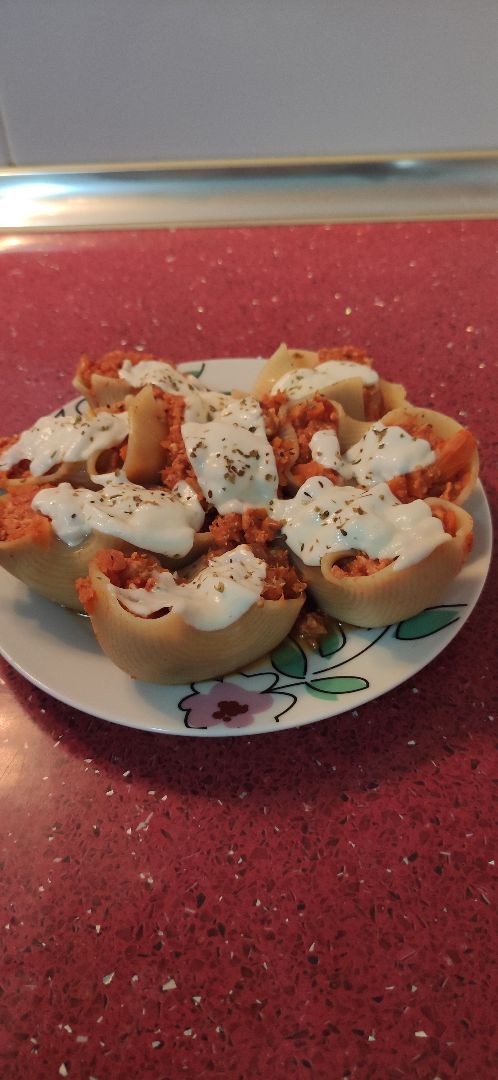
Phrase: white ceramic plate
[56,650]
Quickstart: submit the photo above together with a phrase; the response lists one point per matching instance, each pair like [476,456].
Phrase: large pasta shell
[385,395]
[71,472]
[50,567]
[148,428]
[76,473]
[167,650]
[103,390]
[348,392]
[390,595]
[280,363]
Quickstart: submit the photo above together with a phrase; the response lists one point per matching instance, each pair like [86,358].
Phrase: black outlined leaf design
[334,685]
[426,623]
[333,642]
[290,659]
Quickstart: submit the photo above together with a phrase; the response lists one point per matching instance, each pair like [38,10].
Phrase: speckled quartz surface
[316,902]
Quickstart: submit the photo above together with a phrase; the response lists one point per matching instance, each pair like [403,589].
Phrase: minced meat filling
[310,416]
[290,428]
[18,519]
[177,466]
[274,408]
[253,526]
[358,565]
[128,571]
[16,472]
[108,365]
[447,476]
[344,352]
[124,571]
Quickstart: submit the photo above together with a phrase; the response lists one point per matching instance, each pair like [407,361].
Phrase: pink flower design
[224,703]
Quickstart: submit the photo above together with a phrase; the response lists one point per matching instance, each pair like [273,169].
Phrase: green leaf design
[289,659]
[334,685]
[426,623]
[334,641]
[197,374]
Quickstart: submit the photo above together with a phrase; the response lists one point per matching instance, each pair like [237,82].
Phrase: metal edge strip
[434,186]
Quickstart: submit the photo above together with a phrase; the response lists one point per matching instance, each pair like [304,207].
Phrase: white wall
[4,150]
[131,80]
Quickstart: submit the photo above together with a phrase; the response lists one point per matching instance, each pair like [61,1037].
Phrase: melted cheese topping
[57,439]
[201,404]
[302,383]
[161,521]
[167,378]
[214,401]
[323,518]
[325,449]
[243,412]
[384,452]
[235,466]
[223,591]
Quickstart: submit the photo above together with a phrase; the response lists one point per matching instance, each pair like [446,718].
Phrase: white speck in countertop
[145,823]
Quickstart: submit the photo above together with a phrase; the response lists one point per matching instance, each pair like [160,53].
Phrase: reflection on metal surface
[366,189]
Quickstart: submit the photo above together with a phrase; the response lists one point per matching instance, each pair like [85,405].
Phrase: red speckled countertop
[319,902]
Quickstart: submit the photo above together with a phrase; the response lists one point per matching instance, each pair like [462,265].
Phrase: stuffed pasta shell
[118,374]
[453,469]
[48,535]
[160,628]
[74,448]
[101,380]
[344,373]
[367,558]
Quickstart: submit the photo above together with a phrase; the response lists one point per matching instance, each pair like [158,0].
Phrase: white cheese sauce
[323,518]
[384,452]
[219,595]
[325,449]
[170,380]
[243,412]
[304,382]
[235,466]
[214,401]
[164,522]
[201,404]
[117,477]
[57,439]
